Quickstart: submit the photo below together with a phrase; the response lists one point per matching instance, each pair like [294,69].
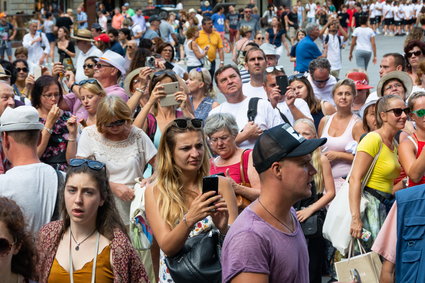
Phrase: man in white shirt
[321,80]
[230,85]
[334,43]
[84,40]
[388,14]
[255,63]
[311,11]
[30,183]
[37,45]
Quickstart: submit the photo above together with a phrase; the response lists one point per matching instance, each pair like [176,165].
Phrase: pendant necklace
[77,247]
[281,222]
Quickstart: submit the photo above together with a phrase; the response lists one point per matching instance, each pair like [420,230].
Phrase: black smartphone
[282,82]
[168,65]
[210,183]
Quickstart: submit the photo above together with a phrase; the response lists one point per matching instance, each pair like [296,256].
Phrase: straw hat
[83,34]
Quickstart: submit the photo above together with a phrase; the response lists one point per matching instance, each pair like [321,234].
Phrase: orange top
[104,271]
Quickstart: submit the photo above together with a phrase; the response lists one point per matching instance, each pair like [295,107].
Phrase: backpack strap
[61,183]
[252,108]
[285,119]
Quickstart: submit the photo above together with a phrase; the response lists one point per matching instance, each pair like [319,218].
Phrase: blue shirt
[82,17]
[306,52]
[218,21]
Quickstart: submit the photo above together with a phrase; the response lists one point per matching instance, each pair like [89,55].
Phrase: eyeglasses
[416,53]
[420,112]
[199,69]
[260,38]
[397,111]
[99,66]
[92,164]
[277,68]
[396,85]
[5,246]
[89,81]
[25,70]
[50,96]
[184,123]
[322,81]
[222,139]
[88,66]
[116,123]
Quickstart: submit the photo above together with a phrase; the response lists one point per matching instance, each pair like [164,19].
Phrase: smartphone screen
[282,82]
[210,183]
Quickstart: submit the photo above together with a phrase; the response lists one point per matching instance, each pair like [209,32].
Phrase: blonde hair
[316,157]
[382,105]
[203,75]
[171,195]
[94,88]
[109,109]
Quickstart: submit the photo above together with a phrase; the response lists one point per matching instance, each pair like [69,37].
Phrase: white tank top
[191,59]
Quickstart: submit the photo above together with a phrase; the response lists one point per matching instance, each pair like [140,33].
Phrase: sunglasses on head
[25,70]
[184,123]
[277,68]
[5,246]
[420,112]
[397,111]
[199,69]
[116,123]
[88,66]
[92,164]
[162,72]
[416,53]
[89,81]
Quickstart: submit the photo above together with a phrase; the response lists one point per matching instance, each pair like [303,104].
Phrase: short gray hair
[310,27]
[319,63]
[219,121]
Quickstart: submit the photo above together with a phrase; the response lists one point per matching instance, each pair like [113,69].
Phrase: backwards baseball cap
[114,59]
[279,142]
[22,118]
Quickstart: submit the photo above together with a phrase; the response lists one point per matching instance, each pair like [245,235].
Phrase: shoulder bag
[242,201]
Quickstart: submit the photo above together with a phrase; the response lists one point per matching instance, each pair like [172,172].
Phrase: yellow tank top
[104,272]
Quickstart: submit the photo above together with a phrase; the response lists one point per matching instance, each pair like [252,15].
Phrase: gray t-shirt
[253,23]
[165,29]
[34,188]
[254,246]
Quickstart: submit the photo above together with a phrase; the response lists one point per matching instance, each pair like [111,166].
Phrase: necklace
[281,222]
[77,247]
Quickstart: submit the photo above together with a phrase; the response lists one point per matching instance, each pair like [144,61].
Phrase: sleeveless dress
[204,108]
[419,147]
[201,226]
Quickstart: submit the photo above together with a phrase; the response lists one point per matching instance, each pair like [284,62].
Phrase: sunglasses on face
[420,112]
[116,123]
[277,68]
[25,70]
[88,66]
[92,164]
[5,246]
[416,53]
[184,123]
[322,81]
[99,66]
[397,111]
[260,38]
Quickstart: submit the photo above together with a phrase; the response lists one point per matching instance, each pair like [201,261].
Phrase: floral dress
[201,226]
[55,152]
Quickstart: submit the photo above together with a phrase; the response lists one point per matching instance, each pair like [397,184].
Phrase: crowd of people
[119,163]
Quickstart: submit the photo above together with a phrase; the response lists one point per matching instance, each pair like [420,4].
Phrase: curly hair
[11,215]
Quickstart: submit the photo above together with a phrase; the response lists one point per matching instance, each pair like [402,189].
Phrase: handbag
[336,227]
[198,260]
[312,226]
[365,268]
[242,201]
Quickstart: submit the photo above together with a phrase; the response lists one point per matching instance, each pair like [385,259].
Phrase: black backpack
[339,40]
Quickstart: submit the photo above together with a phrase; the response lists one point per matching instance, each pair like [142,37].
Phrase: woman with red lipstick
[90,243]
[176,208]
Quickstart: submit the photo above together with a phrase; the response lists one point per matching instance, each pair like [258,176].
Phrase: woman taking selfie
[176,208]
[90,243]
[17,253]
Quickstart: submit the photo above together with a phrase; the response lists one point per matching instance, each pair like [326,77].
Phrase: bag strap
[351,248]
[283,116]
[252,108]
[241,168]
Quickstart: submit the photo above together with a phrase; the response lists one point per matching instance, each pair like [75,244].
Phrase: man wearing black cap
[266,242]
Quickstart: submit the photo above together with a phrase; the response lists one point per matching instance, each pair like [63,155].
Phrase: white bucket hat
[22,118]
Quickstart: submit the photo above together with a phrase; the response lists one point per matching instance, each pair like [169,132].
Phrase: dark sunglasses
[5,246]
[397,111]
[88,66]
[116,123]
[162,72]
[92,164]
[25,70]
[420,112]
[184,123]
[416,53]
[322,81]
[89,81]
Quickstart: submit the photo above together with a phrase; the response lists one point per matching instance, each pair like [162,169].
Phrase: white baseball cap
[114,59]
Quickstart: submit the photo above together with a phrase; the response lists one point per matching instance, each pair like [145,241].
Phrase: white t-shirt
[266,117]
[136,29]
[408,11]
[191,59]
[34,188]
[103,22]
[398,13]
[93,51]
[251,91]
[363,38]
[378,5]
[125,160]
[387,11]
[324,93]
[311,13]
[418,8]
[372,9]
[300,104]
[334,51]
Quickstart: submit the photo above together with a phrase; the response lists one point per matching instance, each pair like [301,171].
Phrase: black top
[63,55]
[64,22]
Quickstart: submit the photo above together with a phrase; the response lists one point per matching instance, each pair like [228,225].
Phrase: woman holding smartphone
[176,208]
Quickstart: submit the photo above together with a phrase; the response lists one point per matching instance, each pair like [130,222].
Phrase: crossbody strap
[241,168]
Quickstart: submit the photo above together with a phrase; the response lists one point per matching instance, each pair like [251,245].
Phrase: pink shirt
[77,108]
[385,243]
